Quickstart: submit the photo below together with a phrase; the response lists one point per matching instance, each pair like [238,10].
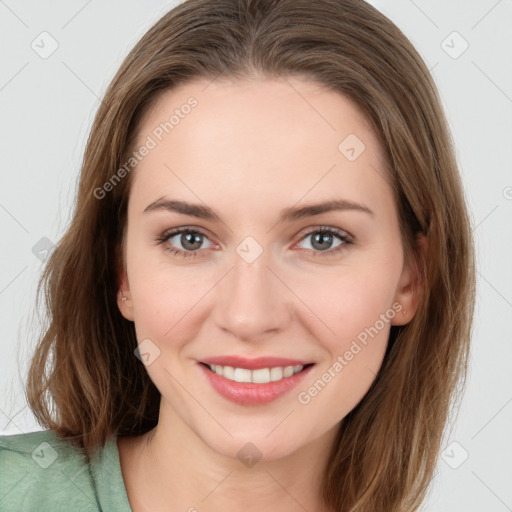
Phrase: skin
[248,150]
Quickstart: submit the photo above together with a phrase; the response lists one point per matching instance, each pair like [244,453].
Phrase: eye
[187,242]
[323,238]
[189,239]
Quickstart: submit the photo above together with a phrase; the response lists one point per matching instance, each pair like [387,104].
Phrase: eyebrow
[287,214]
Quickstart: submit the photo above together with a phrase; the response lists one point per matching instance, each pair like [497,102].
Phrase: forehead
[274,138]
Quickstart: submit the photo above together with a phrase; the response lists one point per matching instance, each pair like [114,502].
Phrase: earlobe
[124,299]
[124,302]
[410,286]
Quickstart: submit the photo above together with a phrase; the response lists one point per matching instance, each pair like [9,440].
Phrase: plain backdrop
[49,93]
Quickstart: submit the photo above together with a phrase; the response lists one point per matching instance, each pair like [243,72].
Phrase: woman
[265,295]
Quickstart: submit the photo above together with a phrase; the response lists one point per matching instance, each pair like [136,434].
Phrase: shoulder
[40,471]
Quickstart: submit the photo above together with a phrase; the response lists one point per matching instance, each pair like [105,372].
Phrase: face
[251,270]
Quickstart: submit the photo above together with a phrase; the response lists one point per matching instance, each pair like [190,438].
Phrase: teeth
[260,376]
[288,371]
[242,375]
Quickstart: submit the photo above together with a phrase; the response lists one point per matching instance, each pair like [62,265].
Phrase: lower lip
[249,393]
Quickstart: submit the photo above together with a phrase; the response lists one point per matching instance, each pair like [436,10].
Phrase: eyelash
[346,239]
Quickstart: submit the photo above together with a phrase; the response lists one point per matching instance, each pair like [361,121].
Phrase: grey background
[46,110]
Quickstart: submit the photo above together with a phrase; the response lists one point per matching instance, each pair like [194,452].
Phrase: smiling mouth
[256,376]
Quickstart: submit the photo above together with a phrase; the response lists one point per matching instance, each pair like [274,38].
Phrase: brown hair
[387,447]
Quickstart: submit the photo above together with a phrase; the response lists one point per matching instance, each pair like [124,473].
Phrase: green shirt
[41,472]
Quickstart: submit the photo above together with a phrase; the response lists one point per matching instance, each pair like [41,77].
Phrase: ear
[409,287]
[124,298]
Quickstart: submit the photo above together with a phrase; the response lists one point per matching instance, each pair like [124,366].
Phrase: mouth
[253,386]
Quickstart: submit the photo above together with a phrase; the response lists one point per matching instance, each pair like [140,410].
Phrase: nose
[252,302]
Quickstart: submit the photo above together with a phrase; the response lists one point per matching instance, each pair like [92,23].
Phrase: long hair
[84,381]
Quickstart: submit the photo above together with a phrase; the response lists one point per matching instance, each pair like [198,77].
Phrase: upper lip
[254,364]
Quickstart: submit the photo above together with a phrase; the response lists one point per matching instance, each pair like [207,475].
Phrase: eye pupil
[321,238]
[195,239]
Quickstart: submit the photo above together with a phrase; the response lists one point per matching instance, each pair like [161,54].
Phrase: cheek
[357,307]
[352,299]
[161,295]
[164,302]
[358,313]
[356,310]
